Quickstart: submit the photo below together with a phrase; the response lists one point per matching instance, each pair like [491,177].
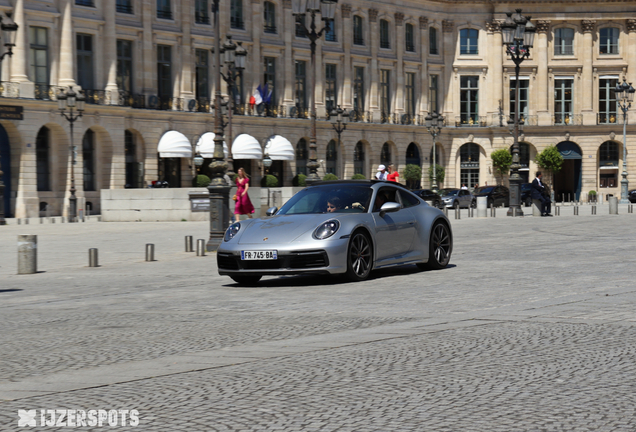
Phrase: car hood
[282,229]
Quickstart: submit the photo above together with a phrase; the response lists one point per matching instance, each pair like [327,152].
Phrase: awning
[174,144]
[278,148]
[246,147]
[205,146]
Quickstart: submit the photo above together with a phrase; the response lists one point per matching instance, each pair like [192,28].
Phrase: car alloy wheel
[456,205]
[440,247]
[359,257]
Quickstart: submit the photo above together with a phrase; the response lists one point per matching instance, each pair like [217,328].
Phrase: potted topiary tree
[358,177]
[201,181]
[440,174]
[269,181]
[299,180]
[550,159]
[501,161]
[413,176]
[329,177]
[591,196]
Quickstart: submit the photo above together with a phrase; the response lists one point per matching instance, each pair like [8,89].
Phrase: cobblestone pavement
[532,328]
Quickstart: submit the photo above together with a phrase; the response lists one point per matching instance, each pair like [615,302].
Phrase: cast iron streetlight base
[515,196]
[624,189]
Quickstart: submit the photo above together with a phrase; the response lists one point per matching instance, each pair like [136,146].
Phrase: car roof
[360,182]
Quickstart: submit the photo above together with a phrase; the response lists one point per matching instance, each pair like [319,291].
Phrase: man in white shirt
[381,174]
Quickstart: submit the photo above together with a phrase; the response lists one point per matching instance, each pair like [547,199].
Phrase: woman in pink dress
[243,204]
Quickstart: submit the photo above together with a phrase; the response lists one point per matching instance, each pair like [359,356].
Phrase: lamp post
[518,38]
[624,98]
[267,163]
[218,188]
[234,58]
[434,123]
[9,31]
[327,9]
[340,125]
[71,100]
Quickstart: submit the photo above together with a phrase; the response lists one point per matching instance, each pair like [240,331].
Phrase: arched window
[88,157]
[432,41]
[384,34]
[413,155]
[469,155]
[608,154]
[409,37]
[563,41]
[42,151]
[269,11]
[469,40]
[301,157]
[358,30]
[385,154]
[332,158]
[608,40]
[358,159]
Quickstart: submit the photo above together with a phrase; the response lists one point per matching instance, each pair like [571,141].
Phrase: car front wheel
[440,247]
[359,257]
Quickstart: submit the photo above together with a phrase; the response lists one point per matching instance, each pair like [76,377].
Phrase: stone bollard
[188,244]
[613,205]
[201,247]
[576,210]
[536,207]
[445,210]
[630,208]
[493,211]
[482,207]
[458,214]
[150,252]
[558,210]
[593,209]
[92,257]
[27,254]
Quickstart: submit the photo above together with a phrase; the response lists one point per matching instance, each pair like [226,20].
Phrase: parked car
[457,198]
[497,195]
[526,194]
[430,197]
[632,196]
[345,227]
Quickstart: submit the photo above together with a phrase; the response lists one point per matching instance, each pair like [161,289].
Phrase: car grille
[293,260]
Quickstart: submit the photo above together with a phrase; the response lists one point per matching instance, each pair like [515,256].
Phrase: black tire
[440,248]
[248,280]
[528,202]
[491,203]
[456,205]
[359,257]
[473,204]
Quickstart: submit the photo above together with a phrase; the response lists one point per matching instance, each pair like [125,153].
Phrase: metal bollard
[26,221]
[470,212]
[458,214]
[201,247]
[188,244]
[150,252]
[92,257]
[19,221]
[576,210]
[630,208]
[445,210]
[27,254]
[493,211]
[558,210]
[593,209]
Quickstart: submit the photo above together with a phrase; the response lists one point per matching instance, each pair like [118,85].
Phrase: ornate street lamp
[624,98]
[434,123]
[340,125]
[518,37]
[327,9]
[9,31]
[71,100]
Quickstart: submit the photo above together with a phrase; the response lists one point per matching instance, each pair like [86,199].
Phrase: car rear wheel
[440,247]
[246,279]
[491,203]
[456,205]
[359,257]
[473,204]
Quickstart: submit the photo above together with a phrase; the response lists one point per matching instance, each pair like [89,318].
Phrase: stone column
[253,73]
[448,29]
[27,202]
[148,65]
[399,105]
[374,102]
[186,89]
[631,52]
[347,34]
[424,75]
[288,62]
[542,88]
[67,57]
[19,60]
[586,89]
[495,48]
[110,53]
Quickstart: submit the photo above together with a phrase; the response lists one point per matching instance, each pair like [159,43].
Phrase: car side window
[384,195]
[408,200]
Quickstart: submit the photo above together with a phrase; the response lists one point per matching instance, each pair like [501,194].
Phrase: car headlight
[232,231]
[326,230]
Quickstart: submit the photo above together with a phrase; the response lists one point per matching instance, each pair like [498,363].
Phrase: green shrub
[551,160]
[299,180]
[269,181]
[330,176]
[592,192]
[201,181]
[501,161]
[440,173]
[358,177]
[412,175]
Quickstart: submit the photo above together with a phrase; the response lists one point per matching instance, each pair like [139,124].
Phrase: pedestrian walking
[243,204]
[393,175]
[381,174]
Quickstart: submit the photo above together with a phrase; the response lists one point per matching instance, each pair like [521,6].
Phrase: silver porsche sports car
[349,227]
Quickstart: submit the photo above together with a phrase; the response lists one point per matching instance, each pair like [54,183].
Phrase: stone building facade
[146,68]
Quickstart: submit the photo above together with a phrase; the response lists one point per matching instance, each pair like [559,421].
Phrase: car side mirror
[271,211]
[390,207]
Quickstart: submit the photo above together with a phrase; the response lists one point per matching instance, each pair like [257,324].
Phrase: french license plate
[259,255]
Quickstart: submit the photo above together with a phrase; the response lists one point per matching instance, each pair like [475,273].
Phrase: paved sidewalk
[532,327]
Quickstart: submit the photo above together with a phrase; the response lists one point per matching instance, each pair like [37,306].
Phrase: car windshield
[526,186]
[335,198]
[483,190]
[448,192]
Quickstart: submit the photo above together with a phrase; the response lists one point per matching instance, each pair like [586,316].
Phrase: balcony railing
[270,29]
[95,97]
[358,40]
[237,23]
[46,92]
[132,100]
[471,121]
[609,118]
[201,18]
[567,119]
[124,8]
[164,14]
[88,3]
